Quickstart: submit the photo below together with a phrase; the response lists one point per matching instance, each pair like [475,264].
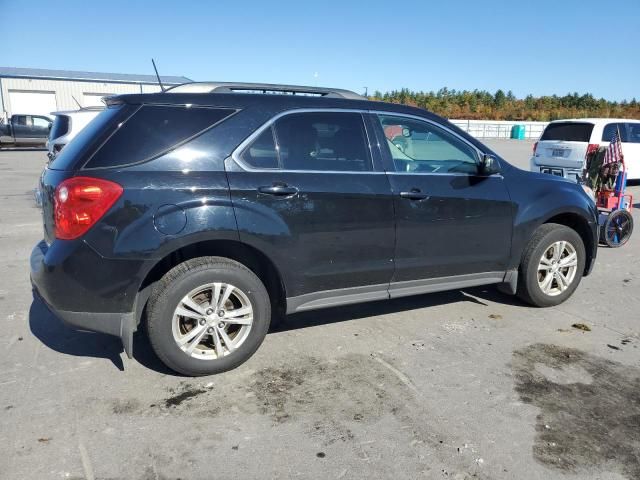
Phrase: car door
[309,193]
[21,125]
[630,138]
[40,128]
[631,150]
[451,221]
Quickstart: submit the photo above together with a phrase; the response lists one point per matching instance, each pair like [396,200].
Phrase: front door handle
[414,194]
[278,189]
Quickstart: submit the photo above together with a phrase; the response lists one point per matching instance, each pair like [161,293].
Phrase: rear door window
[153,130]
[568,132]
[633,130]
[323,141]
[262,152]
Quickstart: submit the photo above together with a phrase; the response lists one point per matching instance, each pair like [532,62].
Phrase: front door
[307,192]
[450,220]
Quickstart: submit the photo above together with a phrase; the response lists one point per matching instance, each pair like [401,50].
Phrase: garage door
[35,103]
[93,99]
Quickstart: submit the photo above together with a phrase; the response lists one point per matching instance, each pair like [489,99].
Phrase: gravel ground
[462,384]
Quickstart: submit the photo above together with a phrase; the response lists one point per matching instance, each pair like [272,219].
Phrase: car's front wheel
[207,315]
[552,266]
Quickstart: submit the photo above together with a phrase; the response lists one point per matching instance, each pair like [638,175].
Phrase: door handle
[414,194]
[280,189]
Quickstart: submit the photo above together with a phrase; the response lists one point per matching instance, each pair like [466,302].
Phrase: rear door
[631,150]
[309,192]
[450,221]
[21,125]
[630,137]
[564,144]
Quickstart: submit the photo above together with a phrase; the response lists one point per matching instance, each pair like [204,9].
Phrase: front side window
[323,141]
[421,147]
[41,122]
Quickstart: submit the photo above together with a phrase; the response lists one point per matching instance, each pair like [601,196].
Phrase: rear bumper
[85,290]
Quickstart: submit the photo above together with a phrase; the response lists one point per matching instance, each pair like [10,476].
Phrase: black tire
[181,280]
[529,290]
[617,229]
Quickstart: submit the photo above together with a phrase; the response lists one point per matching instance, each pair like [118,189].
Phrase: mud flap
[128,325]
[510,283]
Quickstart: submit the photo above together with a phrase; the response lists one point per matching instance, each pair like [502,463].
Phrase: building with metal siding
[40,91]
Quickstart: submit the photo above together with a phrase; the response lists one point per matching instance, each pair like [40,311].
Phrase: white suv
[563,146]
[66,125]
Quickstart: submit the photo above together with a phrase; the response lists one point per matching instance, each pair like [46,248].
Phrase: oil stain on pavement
[589,409]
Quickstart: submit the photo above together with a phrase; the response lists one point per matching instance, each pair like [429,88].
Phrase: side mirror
[489,165]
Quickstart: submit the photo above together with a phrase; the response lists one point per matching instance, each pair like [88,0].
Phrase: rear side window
[153,130]
[323,141]
[60,127]
[568,131]
[91,137]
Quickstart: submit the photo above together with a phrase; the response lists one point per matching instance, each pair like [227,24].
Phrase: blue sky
[541,47]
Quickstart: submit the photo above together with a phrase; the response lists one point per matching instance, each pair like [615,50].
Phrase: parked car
[66,125]
[563,146]
[206,210]
[24,131]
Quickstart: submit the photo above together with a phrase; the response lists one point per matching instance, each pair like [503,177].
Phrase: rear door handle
[414,194]
[281,190]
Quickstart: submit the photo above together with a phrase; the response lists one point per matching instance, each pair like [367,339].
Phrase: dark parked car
[24,131]
[211,207]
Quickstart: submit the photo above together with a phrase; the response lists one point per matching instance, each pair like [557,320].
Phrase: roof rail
[233,87]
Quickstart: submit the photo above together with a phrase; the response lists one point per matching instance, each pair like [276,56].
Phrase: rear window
[153,130]
[568,131]
[60,127]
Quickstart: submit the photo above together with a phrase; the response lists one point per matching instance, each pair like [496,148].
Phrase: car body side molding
[346,296]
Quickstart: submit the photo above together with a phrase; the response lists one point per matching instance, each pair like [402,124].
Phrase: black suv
[205,210]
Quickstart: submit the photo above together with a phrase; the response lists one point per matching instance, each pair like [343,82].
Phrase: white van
[563,146]
[66,125]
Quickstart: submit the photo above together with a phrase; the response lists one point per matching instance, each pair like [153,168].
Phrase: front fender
[538,198]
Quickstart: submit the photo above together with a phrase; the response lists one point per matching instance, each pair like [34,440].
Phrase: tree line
[481,104]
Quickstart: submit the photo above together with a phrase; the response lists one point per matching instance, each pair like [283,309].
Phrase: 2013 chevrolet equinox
[211,206]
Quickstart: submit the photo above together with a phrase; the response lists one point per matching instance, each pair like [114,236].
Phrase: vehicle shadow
[477,295]
[54,334]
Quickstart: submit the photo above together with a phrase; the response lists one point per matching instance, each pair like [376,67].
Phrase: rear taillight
[80,202]
[535,145]
[592,147]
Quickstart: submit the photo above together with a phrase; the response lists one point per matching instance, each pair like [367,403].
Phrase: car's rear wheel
[552,266]
[207,315]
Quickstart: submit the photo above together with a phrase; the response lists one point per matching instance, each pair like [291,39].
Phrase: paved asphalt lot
[463,384]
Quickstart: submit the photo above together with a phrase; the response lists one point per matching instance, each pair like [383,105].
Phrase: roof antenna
[159,80]
[77,102]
